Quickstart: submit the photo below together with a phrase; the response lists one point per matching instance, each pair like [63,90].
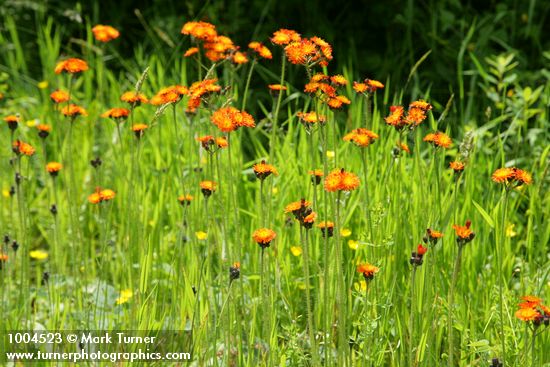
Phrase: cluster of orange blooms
[263,170]
[438,139]
[229,119]
[511,176]
[533,310]
[341,180]
[303,51]
[361,137]
[100,195]
[20,147]
[105,33]
[325,87]
[414,117]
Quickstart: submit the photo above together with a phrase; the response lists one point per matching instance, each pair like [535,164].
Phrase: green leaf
[484,214]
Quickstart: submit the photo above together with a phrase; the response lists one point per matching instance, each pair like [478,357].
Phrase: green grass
[145,241]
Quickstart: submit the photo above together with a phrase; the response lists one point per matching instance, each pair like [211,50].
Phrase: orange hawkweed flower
[234,271]
[53,168]
[263,170]
[421,250]
[239,58]
[316,176]
[523,177]
[101,195]
[201,89]
[263,237]
[395,118]
[360,87]
[310,117]
[222,142]
[530,302]
[207,188]
[463,233]
[361,137]
[373,85]
[23,148]
[339,80]
[297,206]
[43,130]
[12,121]
[219,48]
[367,270]
[191,51]
[327,228]
[73,111]
[422,105]
[133,98]
[308,220]
[504,175]
[139,130]
[285,36]
[201,30]
[457,166]
[229,119]
[185,199]
[171,94]
[59,96]
[432,236]
[417,257]
[261,50]
[105,33]
[116,113]
[340,180]
[438,139]
[338,102]
[71,66]
[404,147]
[276,87]
[527,314]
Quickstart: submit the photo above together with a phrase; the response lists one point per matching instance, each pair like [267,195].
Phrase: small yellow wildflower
[510,230]
[125,296]
[32,123]
[345,232]
[201,236]
[354,245]
[275,191]
[296,250]
[43,84]
[330,154]
[6,193]
[361,286]
[38,254]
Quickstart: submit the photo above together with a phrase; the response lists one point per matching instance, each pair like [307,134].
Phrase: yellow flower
[510,230]
[354,245]
[32,123]
[275,191]
[6,193]
[125,296]
[201,235]
[43,84]
[296,250]
[345,232]
[330,154]
[361,286]
[38,255]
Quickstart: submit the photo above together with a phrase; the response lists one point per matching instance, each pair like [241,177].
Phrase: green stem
[500,273]
[456,271]
[247,85]
[272,141]
[309,311]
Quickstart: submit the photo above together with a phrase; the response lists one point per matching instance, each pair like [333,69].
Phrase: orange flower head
[73,111]
[361,137]
[139,129]
[71,66]
[107,194]
[59,96]
[263,170]
[201,30]
[463,233]
[327,228]
[457,166]
[276,87]
[134,98]
[422,105]
[367,270]
[261,50]
[297,207]
[527,314]
[239,58]
[316,176]
[373,85]
[171,94]
[301,52]
[185,199]
[523,177]
[438,139]
[229,119]
[94,198]
[12,121]
[207,188]
[117,114]
[360,87]
[22,148]
[219,48]
[530,302]
[285,36]
[504,175]
[105,33]
[340,180]
[338,80]
[53,168]
[308,221]
[415,116]
[421,250]
[222,142]
[263,237]
[3,259]
[43,130]
[191,51]
[404,147]
[432,236]
[395,118]
[310,117]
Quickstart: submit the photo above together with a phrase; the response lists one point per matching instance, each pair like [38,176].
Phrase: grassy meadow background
[144,261]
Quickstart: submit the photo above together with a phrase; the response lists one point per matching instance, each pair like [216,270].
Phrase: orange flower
[261,50]
[53,168]
[404,147]
[139,129]
[285,36]
[415,116]
[239,58]
[201,89]
[12,121]
[367,270]
[308,220]
[316,176]
[523,177]
[20,147]
[191,51]
[276,87]
[432,236]
[297,207]
[105,33]
[456,166]
[338,101]
[71,66]
[263,237]
[207,188]
[235,271]
[311,117]
[43,130]
[94,198]
[360,87]
[422,105]
[185,199]
[116,113]
[503,175]
[134,98]
[361,137]
[229,119]
[73,111]
[309,52]
[171,94]
[530,302]
[3,259]
[200,30]
[222,142]
[438,139]
[463,233]
[395,118]
[101,195]
[263,170]
[219,48]
[527,314]
[339,80]
[340,180]
[59,96]
[373,85]
[421,250]
[327,228]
